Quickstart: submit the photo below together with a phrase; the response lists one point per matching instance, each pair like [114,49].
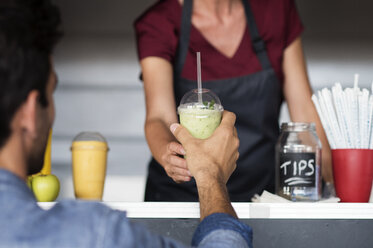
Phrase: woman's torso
[246,88]
[158,31]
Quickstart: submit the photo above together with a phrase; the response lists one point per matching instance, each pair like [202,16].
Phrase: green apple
[45,187]
[29,181]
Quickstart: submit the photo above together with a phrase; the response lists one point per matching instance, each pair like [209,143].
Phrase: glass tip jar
[298,162]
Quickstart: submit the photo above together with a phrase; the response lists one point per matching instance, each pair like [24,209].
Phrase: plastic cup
[201,118]
[353,174]
[89,156]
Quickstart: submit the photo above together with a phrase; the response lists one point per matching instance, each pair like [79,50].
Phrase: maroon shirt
[157,33]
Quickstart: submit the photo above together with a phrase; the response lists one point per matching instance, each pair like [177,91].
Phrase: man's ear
[28,113]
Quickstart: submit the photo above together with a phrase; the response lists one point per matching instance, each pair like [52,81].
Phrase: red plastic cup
[353,174]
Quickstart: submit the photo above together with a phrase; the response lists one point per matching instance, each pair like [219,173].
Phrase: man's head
[29,29]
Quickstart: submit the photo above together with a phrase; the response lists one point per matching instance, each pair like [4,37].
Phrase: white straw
[346,115]
[331,128]
[356,80]
[356,110]
[331,114]
[354,116]
[370,121]
[199,80]
[364,131]
[338,104]
[324,122]
[360,121]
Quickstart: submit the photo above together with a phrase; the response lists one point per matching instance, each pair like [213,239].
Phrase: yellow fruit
[47,167]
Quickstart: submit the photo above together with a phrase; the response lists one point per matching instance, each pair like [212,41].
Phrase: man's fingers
[177,148]
[180,172]
[179,175]
[235,132]
[181,179]
[177,161]
[228,119]
[181,133]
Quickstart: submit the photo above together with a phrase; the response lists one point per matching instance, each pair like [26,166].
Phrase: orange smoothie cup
[89,157]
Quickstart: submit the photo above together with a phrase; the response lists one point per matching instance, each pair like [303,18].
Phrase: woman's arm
[297,92]
[160,114]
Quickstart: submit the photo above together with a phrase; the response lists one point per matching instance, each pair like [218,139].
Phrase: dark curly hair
[29,30]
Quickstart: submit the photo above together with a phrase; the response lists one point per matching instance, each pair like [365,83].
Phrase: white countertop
[245,210]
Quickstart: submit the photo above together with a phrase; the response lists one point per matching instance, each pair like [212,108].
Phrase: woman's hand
[174,163]
[160,113]
[297,91]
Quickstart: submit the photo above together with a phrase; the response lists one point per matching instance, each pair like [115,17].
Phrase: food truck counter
[274,224]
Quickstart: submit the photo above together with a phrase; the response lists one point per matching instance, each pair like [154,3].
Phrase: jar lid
[90,136]
[298,126]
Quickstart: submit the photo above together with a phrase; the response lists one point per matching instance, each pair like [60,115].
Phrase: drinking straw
[364,106]
[323,121]
[355,112]
[367,117]
[199,80]
[360,121]
[332,117]
[346,115]
[353,116]
[327,118]
[370,122]
[341,113]
[370,119]
[356,81]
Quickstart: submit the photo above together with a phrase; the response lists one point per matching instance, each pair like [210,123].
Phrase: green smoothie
[200,121]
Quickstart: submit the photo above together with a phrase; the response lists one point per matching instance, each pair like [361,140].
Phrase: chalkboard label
[297,170]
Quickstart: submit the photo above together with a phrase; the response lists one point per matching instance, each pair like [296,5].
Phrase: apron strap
[257,42]
[182,50]
[186,17]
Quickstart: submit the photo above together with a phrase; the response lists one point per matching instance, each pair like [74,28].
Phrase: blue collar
[12,184]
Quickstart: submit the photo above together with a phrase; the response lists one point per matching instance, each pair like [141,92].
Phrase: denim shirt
[74,224]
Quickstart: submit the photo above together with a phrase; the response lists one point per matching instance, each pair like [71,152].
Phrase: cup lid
[206,99]
[90,136]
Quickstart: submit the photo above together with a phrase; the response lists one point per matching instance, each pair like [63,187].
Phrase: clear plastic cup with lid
[200,112]
[89,158]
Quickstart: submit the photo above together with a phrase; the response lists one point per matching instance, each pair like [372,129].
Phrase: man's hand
[211,162]
[212,158]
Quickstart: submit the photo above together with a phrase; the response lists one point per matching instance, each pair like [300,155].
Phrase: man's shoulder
[83,209]
[66,224]
[76,219]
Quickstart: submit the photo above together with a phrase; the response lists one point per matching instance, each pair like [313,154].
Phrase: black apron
[256,101]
